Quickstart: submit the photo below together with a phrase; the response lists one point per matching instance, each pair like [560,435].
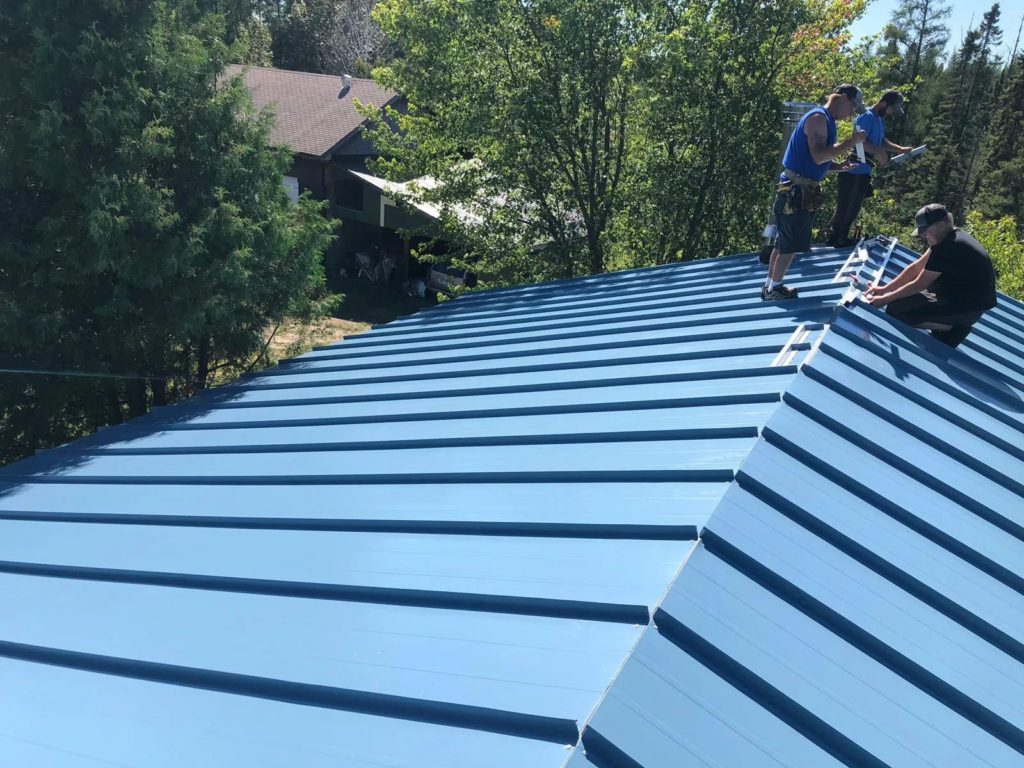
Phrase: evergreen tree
[147,235]
[958,125]
[999,186]
[915,39]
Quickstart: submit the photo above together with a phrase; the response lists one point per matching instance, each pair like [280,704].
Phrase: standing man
[855,183]
[807,161]
[956,269]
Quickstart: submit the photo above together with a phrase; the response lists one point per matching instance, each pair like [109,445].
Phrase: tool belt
[801,193]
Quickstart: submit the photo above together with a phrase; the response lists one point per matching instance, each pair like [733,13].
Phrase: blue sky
[959,21]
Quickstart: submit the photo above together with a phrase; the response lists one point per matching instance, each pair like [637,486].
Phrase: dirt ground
[364,306]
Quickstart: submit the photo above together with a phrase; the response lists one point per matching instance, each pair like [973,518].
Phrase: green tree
[538,94]
[254,43]
[958,127]
[1000,185]
[705,124]
[914,41]
[146,232]
[603,133]
[1003,243]
[302,36]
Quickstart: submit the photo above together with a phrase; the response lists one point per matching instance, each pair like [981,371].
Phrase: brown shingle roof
[309,116]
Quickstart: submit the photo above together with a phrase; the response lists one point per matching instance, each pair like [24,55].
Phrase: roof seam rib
[801,719]
[885,569]
[638,531]
[864,641]
[552,729]
[461,601]
[481,413]
[598,476]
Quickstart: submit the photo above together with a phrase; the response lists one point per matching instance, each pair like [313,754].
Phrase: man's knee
[953,335]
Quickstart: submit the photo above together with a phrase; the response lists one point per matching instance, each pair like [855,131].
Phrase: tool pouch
[811,198]
[790,194]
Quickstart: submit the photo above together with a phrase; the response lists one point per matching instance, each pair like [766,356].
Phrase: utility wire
[82,374]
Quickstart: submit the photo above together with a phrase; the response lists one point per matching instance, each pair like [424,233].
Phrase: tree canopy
[147,239]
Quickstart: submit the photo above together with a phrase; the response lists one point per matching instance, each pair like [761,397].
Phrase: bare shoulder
[815,124]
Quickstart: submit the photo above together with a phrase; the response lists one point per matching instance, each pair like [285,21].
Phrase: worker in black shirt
[946,290]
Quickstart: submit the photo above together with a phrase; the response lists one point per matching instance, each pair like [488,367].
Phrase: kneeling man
[948,289]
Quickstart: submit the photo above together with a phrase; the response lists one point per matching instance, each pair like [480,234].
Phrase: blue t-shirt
[798,153]
[874,127]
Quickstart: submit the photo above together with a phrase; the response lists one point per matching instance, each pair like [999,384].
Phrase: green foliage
[603,134]
[969,111]
[538,95]
[301,38]
[254,43]
[704,121]
[999,188]
[327,36]
[147,233]
[910,53]
[1003,242]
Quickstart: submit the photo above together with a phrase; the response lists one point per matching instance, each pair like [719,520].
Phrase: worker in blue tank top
[809,156]
[855,184]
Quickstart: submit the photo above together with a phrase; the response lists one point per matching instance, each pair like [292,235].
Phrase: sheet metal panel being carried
[434,542]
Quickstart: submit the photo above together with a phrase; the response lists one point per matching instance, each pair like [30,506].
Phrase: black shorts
[925,309]
[794,229]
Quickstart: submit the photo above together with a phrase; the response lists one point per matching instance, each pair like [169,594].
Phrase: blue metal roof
[856,597]
[446,538]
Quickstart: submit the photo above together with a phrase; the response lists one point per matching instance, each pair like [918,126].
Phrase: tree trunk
[137,405]
[114,413]
[159,388]
[202,363]
[596,252]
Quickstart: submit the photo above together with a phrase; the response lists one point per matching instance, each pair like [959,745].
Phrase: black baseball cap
[852,92]
[930,214]
[894,99]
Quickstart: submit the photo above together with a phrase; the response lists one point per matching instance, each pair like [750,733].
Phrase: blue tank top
[798,153]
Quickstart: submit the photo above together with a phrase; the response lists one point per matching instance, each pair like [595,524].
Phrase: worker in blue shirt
[855,184]
[810,155]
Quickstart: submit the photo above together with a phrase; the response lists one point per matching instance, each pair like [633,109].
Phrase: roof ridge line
[627,657]
[243,67]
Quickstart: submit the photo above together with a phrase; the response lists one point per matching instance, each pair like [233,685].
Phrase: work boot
[779,293]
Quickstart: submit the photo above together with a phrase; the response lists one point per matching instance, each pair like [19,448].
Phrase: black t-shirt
[966,280]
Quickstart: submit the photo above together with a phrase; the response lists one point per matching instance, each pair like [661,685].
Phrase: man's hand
[876,299]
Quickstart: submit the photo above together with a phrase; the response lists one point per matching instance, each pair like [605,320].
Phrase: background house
[316,118]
